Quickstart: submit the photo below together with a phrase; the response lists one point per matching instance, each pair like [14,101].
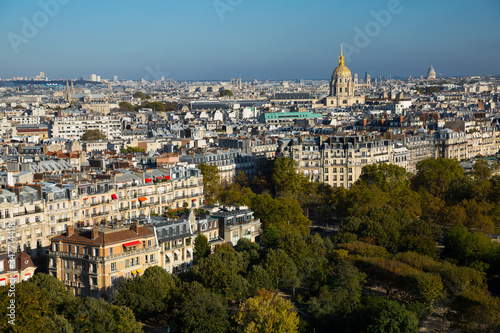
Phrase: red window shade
[167,177]
[114,197]
[134,243]
[148,180]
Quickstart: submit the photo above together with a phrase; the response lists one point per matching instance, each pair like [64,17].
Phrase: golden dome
[342,71]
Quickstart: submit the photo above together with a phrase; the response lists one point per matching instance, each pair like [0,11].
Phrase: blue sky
[262,39]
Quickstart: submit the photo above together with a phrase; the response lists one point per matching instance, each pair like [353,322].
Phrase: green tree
[146,295]
[468,247]
[285,178]
[388,177]
[211,182]
[380,315]
[202,247]
[156,106]
[258,278]
[220,272]
[475,312]
[126,106]
[481,170]
[271,237]
[95,315]
[281,269]
[52,290]
[141,95]
[435,175]
[131,150]
[284,212]
[267,313]
[93,135]
[226,92]
[33,312]
[200,310]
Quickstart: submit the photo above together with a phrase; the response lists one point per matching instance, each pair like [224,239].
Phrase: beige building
[20,268]
[337,161]
[91,261]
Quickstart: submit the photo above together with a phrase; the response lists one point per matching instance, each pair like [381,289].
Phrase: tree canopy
[93,135]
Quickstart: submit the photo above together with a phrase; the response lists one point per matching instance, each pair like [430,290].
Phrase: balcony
[122,209]
[99,214]
[28,212]
[63,219]
[147,203]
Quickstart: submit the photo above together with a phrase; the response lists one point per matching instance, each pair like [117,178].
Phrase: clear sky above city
[254,39]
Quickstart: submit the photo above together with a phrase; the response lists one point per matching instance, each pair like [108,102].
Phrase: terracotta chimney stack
[135,227]
[94,233]
[70,230]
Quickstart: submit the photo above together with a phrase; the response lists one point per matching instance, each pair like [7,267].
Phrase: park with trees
[407,247]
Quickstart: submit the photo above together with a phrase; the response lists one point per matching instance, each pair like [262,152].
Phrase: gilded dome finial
[341,58]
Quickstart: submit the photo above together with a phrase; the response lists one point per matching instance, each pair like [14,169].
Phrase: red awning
[143,199]
[27,274]
[2,279]
[148,180]
[160,177]
[114,197]
[134,243]
[194,200]
[167,177]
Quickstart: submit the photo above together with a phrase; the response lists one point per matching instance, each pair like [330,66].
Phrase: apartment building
[337,161]
[91,261]
[22,212]
[236,223]
[225,160]
[73,127]
[18,268]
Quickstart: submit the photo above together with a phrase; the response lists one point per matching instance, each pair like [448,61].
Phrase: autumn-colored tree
[211,182]
[267,313]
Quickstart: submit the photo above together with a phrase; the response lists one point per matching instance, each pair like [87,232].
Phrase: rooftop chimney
[94,233]
[70,230]
[135,227]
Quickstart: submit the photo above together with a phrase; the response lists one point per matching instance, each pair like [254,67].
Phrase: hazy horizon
[278,40]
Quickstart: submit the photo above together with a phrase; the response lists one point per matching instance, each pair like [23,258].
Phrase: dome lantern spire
[341,58]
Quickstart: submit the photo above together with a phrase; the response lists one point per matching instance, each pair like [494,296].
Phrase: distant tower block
[356,79]
[431,74]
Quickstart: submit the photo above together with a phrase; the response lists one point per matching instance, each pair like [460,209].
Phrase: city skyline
[223,39]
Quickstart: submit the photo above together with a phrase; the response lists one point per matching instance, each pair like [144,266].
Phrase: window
[93,268]
[93,281]
[66,263]
[113,266]
[152,258]
[235,236]
[75,265]
[95,252]
[69,248]
[53,263]
[67,276]
[110,251]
